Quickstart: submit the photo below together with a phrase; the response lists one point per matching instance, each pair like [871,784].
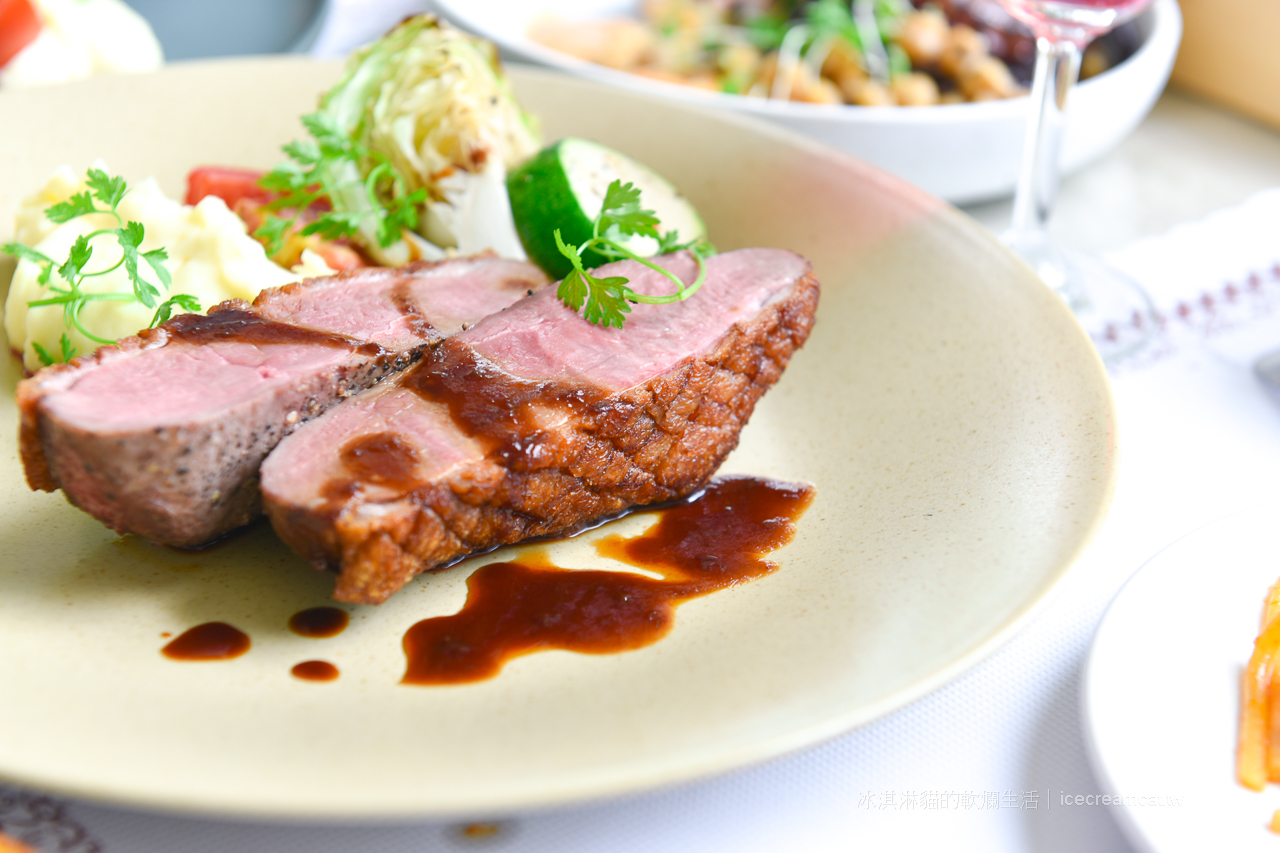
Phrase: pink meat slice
[162,434]
[534,422]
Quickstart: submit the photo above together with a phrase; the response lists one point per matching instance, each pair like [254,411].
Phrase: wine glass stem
[1057,66]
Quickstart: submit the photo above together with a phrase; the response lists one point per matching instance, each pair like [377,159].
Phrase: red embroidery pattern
[1214,312]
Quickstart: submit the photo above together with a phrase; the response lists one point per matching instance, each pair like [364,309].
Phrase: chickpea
[964,46]
[842,63]
[986,79]
[914,90]
[871,93]
[804,84]
[923,37]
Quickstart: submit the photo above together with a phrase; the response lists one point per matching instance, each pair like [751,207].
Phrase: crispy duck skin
[535,423]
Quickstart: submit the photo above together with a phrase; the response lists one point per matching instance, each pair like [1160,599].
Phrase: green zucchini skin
[540,185]
[543,198]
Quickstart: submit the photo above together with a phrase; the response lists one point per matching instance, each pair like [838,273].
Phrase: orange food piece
[9,844]
[1252,759]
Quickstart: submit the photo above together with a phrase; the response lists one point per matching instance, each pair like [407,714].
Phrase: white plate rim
[1105,764]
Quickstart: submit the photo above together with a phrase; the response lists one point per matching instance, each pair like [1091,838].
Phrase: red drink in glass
[1074,19]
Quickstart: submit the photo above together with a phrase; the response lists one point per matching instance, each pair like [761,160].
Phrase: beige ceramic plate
[955,420]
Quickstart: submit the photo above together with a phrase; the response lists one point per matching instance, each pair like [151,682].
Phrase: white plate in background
[1162,690]
[960,152]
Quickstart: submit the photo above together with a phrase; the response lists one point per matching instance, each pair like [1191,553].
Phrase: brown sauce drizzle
[233,323]
[383,459]
[319,622]
[516,608]
[210,641]
[490,405]
[315,670]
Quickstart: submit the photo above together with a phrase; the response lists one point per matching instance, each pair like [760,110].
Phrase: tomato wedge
[227,183]
[19,26]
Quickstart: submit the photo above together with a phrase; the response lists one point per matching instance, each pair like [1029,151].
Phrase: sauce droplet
[319,622]
[315,670]
[210,641]
[515,608]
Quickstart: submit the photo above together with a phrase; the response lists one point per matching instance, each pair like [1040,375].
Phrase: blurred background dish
[963,152]
[44,42]
[233,27]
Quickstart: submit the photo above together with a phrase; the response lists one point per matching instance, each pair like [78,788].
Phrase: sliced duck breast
[534,422]
[162,434]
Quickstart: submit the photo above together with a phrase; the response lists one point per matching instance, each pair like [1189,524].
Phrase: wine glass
[1113,309]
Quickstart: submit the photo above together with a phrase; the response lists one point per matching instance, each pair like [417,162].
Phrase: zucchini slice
[563,186]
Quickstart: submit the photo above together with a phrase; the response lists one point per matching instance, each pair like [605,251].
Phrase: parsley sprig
[330,166]
[103,196]
[606,301]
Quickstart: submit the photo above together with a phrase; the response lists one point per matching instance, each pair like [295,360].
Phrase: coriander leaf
[78,205]
[325,129]
[165,311]
[304,151]
[699,246]
[403,216]
[606,303]
[622,209]
[108,190]
[272,232]
[130,237]
[702,248]
[283,178]
[19,250]
[603,298]
[337,223]
[42,354]
[619,196]
[573,291]
[366,191]
[573,253]
[156,258]
[80,253]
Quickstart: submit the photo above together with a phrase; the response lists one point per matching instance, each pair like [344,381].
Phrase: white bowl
[961,152]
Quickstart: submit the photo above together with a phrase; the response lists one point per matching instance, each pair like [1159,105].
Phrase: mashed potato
[211,257]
